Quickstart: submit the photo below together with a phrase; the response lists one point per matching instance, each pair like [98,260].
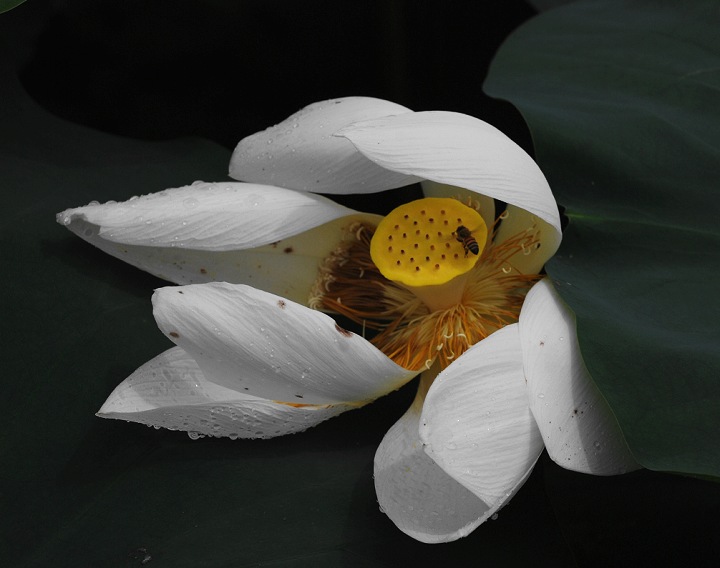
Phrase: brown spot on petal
[174,334]
[343,331]
[288,250]
[281,304]
[203,271]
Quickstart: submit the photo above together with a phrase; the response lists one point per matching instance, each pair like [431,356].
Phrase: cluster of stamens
[413,280]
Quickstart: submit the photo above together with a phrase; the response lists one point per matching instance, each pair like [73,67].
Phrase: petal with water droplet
[476,424]
[415,492]
[302,153]
[170,391]
[578,428]
[269,347]
[272,238]
[206,216]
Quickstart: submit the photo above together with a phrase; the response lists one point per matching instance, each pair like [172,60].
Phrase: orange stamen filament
[411,333]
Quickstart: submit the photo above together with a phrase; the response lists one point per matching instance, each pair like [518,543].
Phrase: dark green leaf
[622,102]
[6,5]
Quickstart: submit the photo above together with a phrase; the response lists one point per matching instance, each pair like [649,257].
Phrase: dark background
[79,491]
[222,70]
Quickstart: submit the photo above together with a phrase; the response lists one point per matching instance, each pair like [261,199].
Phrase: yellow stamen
[429,246]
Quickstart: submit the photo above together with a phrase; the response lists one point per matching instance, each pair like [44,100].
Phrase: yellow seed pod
[428,242]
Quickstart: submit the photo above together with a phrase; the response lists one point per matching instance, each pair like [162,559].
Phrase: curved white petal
[476,423]
[577,425]
[269,347]
[302,153]
[288,267]
[187,224]
[460,150]
[204,216]
[170,391]
[529,260]
[418,496]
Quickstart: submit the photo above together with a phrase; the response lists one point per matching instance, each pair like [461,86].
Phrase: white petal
[578,427]
[529,260]
[184,218]
[171,392]
[476,423]
[205,216]
[288,267]
[267,346]
[301,153]
[418,496]
[459,150]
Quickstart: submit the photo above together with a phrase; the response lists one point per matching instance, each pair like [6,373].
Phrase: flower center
[429,246]
[428,279]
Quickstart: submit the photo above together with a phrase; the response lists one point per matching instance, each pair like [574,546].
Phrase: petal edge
[460,150]
[578,427]
[170,391]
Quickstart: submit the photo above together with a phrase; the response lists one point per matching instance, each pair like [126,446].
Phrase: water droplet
[190,202]
[254,199]
[194,435]
[541,395]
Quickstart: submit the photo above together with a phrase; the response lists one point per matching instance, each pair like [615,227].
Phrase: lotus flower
[440,283]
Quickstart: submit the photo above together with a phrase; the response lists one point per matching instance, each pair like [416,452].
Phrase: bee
[464,236]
